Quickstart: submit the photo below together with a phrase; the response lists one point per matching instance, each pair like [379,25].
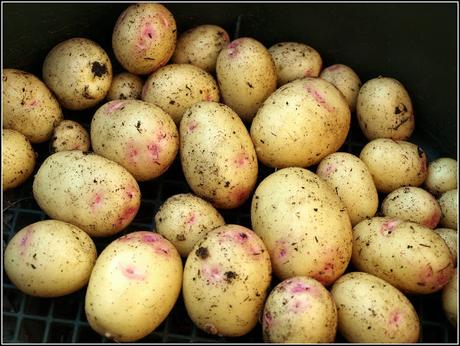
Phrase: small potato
[70,135]
[133,287]
[29,106]
[18,159]
[350,178]
[384,110]
[138,135]
[409,256]
[79,72]
[450,236]
[144,37]
[176,87]
[412,204]
[449,208]
[442,176]
[125,86]
[200,46]
[184,219]
[394,164]
[344,79]
[50,259]
[370,310]
[226,278]
[299,310]
[246,75]
[450,300]
[294,60]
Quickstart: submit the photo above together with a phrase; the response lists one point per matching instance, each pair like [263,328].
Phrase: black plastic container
[414,43]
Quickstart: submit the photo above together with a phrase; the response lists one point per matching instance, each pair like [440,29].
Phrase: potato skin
[370,310]
[70,135]
[226,278]
[133,287]
[84,189]
[18,159]
[450,298]
[299,310]
[450,236]
[50,258]
[125,86]
[449,209]
[409,256]
[441,176]
[217,155]
[29,106]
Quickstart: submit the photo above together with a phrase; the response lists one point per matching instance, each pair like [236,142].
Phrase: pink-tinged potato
[125,86]
[371,310]
[411,257]
[226,278]
[441,176]
[299,310]
[133,287]
[144,37]
[70,135]
[87,190]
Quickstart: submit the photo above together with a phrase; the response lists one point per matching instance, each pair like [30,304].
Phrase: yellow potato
[450,236]
[125,86]
[450,299]
[70,135]
[449,208]
[441,176]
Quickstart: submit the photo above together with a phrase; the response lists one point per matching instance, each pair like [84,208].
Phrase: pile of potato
[347,237]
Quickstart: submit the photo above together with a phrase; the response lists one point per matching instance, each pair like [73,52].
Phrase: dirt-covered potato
[226,278]
[412,204]
[450,299]
[200,46]
[370,310]
[450,236]
[18,159]
[442,176]
[299,310]
[87,190]
[79,72]
[70,135]
[246,75]
[176,87]
[352,181]
[28,106]
[394,164]
[384,109]
[304,225]
[346,80]
[300,123]
[133,287]
[449,208]
[50,259]
[184,219]
[217,155]
[125,86]
[144,37]
[138,135]
[408,255]
[294,60]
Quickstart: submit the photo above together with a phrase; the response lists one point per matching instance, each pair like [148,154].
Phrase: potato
[370,310]
[70,135]
[125,86]
[450,236]
[138,135]
[133,287]
[18,159]
[344,79]
[200,46]
[93,193]
[409,256]
[441,176]
[176,87]
[184,219]
[226,278]
[384,109]
[217,155]
[350,178]
[299,310]
[50,259]
[294,60]
[449,208]
[79,72]
[29,106]
[300,123]
[450,300]
[412,204]
[394,164]
[246,75]
[144,37]
[304,225]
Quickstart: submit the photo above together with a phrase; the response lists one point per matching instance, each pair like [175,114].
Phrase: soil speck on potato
[98,69]
[202,252]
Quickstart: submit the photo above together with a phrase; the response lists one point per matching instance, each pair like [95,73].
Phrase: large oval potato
[89,191]
[441,176]
[449,209]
